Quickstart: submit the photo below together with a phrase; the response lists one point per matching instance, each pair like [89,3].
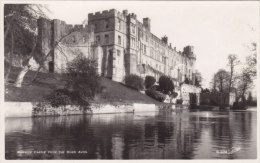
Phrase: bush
[83,78]
[149,81]
[63,97]
[239,105]
[155,94]
[60,97]
[166,85]
[135,82]
[174,94]
[179,101]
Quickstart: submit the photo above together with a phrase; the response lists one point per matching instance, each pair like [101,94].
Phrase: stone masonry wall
[186,89]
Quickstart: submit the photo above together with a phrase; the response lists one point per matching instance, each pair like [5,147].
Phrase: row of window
[106,39]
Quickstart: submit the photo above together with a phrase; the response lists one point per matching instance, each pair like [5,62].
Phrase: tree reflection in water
[164,135]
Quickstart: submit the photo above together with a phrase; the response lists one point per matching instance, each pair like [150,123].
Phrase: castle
[120,43]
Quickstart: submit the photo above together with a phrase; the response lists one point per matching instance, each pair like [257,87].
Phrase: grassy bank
[113,92]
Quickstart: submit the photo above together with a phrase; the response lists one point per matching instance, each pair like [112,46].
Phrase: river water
[154,135]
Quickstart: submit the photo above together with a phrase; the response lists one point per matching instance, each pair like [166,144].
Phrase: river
[153,135]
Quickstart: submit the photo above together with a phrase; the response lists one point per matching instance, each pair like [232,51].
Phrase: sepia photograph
[130,80]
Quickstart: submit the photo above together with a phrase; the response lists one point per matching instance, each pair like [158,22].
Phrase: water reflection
[162,135]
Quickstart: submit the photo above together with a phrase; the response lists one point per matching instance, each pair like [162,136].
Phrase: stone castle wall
[125,46]
[134,45]
[62,42]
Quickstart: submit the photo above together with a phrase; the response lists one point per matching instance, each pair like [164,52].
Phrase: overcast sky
[215,29]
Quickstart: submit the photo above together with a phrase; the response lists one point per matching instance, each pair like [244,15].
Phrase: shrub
[166,85]
[155,94]
[83,78]
[179,101]
[60,97]
[239,105]
[149,81]
[174,94]
[135,82]
[155,87]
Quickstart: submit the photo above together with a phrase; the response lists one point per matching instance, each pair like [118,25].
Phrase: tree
[198,79]
[20,30]
[149,81]
[251,61]
[166,85]
[221,81]
[233,61]
[243,84]
[82,77]
[249,98]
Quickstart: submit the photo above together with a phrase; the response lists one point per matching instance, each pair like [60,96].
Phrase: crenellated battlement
[107,14]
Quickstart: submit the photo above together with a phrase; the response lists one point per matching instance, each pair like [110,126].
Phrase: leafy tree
[221,81]
[82,77]
[166,85]
[149,81]
[20,31]
[134,81]
[243,84]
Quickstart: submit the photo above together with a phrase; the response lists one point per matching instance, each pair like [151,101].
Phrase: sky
[215,29]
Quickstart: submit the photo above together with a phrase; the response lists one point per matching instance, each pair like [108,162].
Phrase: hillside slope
[113,92]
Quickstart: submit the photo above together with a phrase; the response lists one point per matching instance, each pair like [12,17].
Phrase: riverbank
[113,92]
[33,109]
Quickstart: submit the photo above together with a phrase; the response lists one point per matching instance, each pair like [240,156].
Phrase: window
[118,53]
[98,39]
[133,28]
[119,40]
[106,39]
[132,42]
[106,24]
[119,24]
[144,49]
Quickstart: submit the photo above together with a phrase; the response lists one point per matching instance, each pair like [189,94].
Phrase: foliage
[82,77]
[179,101]
[233,61]
[243,84]
[155,94]
[21,20]
[187,81]
[63,97]
[174,94]
[239,105]
[60,97]
[221,81]
[251,61]
[149,81]
[166,85]
[206,90]
[198,79]
[134,81]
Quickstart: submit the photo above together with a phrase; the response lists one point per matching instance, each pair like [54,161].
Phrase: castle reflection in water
[161,135]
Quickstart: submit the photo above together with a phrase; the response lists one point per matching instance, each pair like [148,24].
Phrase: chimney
[147,23]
